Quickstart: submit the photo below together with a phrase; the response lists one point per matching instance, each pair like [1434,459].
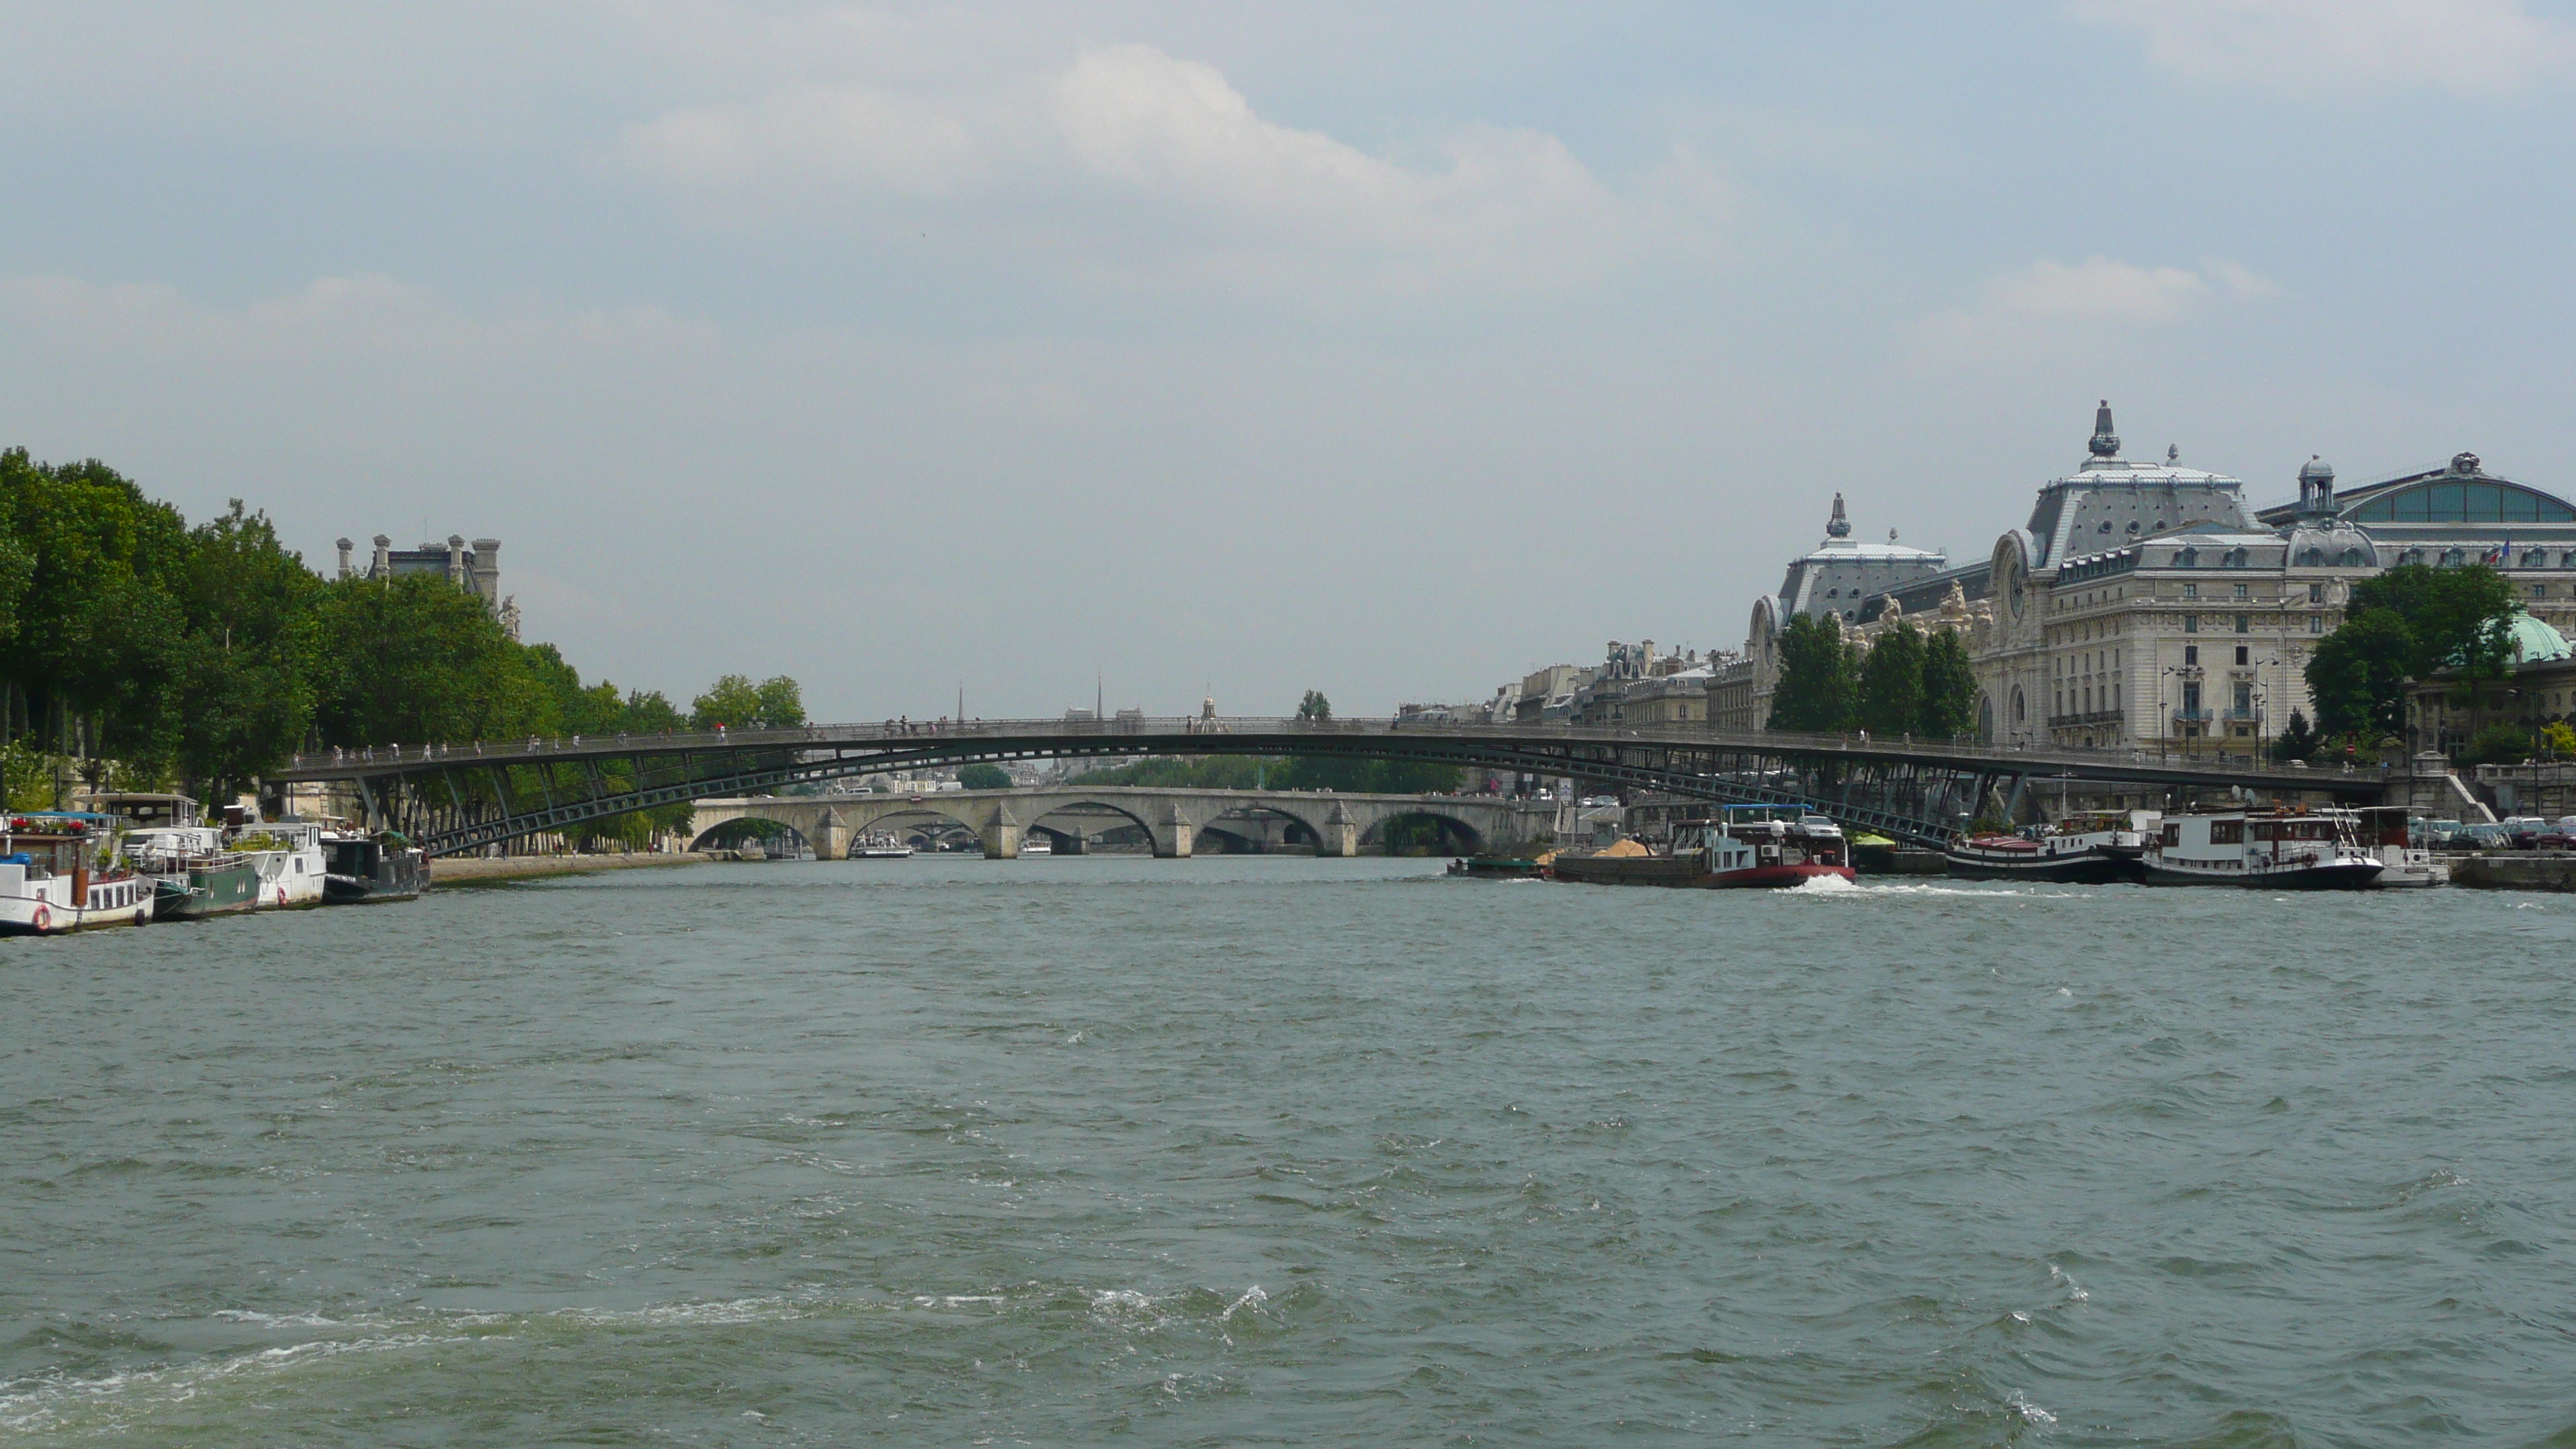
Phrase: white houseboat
[288,856]
[59,872]
[2266,849]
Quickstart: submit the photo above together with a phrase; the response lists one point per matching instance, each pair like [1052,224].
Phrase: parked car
[2433,834]
[2522,830]
[2485,837]
[2555,840]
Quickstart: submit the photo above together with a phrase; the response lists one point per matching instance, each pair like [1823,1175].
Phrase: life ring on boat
[44,918]
[281,896]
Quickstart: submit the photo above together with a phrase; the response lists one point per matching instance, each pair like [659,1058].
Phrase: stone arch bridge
[1172,819]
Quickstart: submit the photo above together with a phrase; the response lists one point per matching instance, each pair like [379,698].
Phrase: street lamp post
[2164,719]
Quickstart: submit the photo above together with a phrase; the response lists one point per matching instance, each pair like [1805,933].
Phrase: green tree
[983,777]
[648,713]
[1891,681]
[1314,706]
[2410,622]
[1949,689]
[246,692]
[2460,617]
[782,704]
[2501,743]
[1370,777]
[415,658]
[98,632]
[1194,772]
[2298,742]
[2358,675]
[1819,686]
[732,701]
[736,703]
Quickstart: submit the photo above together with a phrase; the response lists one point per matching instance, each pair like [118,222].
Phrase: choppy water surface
[1264,1149]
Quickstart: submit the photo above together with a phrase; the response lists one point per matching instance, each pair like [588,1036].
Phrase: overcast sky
[1387,349]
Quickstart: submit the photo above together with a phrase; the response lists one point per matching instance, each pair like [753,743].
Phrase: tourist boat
[2386,831]
[2099,848]
[289,858]
[194,874]
[879,846]
[59,872]
[365,869]
[2279,848]
[1747,846]
[1036,845]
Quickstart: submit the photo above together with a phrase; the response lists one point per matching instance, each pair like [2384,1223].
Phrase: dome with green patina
[2532,641]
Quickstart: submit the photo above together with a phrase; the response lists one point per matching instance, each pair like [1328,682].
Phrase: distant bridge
[459,797]
[1171,820]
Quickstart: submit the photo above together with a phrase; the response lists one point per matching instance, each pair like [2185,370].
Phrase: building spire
[2106,443]
[1838,526]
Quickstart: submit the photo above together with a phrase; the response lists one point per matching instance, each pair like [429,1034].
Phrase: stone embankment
[2549,872]
[480,870]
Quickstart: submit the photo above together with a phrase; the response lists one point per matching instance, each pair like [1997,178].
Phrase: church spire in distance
[1839,526]
[2106,443]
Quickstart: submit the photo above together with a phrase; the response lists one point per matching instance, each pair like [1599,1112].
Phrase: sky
[1190,350]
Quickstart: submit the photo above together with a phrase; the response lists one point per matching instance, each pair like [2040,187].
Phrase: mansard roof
[2110,502]
[2459,492]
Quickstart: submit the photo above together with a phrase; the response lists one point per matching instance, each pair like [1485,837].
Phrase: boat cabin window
[2292,830]
[2227,832]
[2173,834]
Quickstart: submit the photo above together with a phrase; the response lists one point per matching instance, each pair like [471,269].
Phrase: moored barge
[1746,847]
[2102,848]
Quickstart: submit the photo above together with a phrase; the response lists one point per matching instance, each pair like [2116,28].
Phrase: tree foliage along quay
[206,656]
[2410,623]
[1906,683]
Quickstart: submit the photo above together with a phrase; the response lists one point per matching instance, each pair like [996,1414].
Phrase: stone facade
[476,569]
[2143,606]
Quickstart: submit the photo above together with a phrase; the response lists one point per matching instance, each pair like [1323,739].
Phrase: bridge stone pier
[1175,821]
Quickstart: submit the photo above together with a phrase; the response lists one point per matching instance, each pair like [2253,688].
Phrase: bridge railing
[1205,735]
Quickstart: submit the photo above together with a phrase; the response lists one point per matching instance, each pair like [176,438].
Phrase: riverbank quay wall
[459,797]
[1176,822]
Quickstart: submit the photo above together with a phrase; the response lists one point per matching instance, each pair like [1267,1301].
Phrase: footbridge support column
[1341,834]
[1002,835]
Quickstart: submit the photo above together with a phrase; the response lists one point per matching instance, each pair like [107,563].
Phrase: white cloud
[2049,298]
[2099,289]
[2468,47]
[1144,163]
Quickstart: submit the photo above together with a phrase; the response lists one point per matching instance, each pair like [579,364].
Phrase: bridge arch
[917,822]
[1398,832]
[1076,801]
[734,832]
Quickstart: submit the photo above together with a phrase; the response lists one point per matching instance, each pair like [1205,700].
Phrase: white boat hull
[45,907]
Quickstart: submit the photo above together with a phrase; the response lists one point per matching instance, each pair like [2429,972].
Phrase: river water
[1278,1150]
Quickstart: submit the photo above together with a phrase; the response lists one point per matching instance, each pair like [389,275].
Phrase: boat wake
[1824,885]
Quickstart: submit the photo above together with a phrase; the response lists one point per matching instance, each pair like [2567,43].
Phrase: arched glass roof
[2461,500]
